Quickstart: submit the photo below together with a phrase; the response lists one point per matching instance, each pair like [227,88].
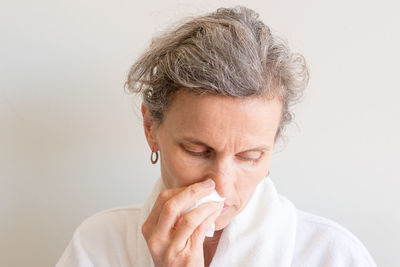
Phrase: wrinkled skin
[229,140]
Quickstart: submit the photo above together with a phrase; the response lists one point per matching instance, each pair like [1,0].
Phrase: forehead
[215,117]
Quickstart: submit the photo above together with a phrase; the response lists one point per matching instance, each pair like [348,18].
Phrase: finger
[198,236]
[163,197]
[175,206]
[190,221]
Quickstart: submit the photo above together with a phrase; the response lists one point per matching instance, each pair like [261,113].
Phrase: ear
[149,126]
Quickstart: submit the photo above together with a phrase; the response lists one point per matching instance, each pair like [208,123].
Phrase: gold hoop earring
[154,160]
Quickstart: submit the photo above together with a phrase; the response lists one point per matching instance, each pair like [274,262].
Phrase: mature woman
[217,92]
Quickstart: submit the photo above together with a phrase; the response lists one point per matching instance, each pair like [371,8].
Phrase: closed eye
[254,158]
[204,153]
[198,154]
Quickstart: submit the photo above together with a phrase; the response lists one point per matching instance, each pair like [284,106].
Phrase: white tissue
[214,196]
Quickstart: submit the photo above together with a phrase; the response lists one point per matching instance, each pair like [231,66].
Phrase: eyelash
[252,160]
[197,154]
[206,153]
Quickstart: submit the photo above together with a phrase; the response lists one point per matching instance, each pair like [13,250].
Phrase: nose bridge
[222,174]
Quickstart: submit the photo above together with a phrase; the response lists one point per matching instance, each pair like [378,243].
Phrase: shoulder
[104,239]
[115,218]
[109,227]
[323,242]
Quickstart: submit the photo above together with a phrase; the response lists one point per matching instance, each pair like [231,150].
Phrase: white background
[71,143]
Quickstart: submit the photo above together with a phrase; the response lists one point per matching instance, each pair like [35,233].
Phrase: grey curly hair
[228,52]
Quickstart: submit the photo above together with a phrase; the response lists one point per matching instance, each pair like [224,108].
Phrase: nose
[222,172]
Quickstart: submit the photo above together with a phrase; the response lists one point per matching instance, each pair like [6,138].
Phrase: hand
[176,240]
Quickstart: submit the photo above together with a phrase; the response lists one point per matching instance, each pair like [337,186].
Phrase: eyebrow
[198,142]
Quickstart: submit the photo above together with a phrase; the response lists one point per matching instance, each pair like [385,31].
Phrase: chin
[222,222]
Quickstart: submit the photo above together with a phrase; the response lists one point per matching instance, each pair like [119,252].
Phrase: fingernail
[208,183]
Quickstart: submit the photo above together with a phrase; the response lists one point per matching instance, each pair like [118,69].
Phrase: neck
[210,246]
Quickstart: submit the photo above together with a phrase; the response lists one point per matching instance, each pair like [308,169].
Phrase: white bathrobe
[269,231]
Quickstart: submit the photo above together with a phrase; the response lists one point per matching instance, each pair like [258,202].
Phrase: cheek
[247,181]
[247,185]
[181,168]
[251,174]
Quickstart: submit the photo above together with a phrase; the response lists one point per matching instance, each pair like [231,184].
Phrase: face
[228,139]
